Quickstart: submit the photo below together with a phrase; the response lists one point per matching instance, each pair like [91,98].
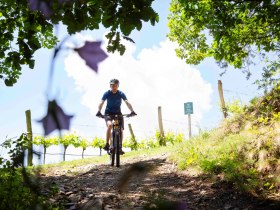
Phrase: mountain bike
[116,138]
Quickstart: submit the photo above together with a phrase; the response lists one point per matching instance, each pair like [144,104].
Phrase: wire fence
[136,129]
[4,151]
[66,154]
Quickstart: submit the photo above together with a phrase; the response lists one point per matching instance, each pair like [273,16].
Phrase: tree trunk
[65,148]
[45,150]
[100,151]
[83,153]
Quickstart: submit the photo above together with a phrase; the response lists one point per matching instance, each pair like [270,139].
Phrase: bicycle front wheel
[117,150]
[113,150]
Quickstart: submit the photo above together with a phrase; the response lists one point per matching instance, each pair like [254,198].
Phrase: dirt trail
[154,183]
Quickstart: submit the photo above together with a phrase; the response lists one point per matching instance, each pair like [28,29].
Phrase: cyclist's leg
[108,133]
[109,128]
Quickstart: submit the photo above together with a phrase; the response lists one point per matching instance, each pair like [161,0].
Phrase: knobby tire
[117,150]
[113,151]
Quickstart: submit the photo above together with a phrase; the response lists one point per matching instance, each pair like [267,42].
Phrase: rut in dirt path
[148,184]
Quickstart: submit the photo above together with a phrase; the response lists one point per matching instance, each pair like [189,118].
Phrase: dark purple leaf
[92,54]
[45,6]
[41,5]
[55,118]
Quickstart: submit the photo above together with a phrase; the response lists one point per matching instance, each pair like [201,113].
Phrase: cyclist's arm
[100,105]
[129,105]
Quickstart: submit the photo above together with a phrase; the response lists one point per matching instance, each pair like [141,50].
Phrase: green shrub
[152,143]
[170,137]
[179,138]
[266,109]
[45,142]
[131,143]
[248,159]
[142,144]
[18,189]
[235,107]
[98,143]
[160,139]
[67,140]
[81,142]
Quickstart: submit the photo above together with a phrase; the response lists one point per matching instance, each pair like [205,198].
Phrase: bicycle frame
[116,142]
[116,138]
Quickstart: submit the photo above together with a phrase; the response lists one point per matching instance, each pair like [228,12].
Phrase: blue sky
[30,91]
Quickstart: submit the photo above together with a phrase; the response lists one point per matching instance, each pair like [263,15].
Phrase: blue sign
[188,107]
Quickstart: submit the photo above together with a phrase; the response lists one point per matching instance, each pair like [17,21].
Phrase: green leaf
[23,32]
[237,31]
[8,82]
[128,39]
[31,64]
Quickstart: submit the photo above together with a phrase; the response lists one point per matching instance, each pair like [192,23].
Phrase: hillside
[243,150]
[235,166]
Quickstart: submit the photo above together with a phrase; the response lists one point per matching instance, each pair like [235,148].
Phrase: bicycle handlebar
[116,115]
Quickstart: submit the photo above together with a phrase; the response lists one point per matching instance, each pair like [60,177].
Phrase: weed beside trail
[244,150]
[246,159]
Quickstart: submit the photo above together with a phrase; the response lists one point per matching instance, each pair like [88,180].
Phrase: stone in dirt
[72,208]
[68,193]
[107,207]
[93,204]
[68,205]
[90,195]
[228,207]
[61,193]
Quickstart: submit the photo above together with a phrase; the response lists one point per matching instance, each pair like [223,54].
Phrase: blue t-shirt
[114,101]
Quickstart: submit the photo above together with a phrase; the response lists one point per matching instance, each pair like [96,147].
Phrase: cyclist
[114,99]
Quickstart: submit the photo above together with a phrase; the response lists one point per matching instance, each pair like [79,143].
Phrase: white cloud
[156,77]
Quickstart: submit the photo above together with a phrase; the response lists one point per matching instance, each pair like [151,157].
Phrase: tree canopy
[23,31]
[230,31]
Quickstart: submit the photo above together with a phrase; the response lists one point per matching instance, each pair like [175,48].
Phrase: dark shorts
[121,121]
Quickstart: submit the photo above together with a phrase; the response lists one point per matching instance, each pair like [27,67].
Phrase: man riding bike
[114,99]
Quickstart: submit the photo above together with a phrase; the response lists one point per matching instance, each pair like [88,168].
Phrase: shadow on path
[149,184]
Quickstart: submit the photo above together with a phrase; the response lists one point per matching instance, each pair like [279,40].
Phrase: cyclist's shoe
[106,147]
[122,152]
[111,150]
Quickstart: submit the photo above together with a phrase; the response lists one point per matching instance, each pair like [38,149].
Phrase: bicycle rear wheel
[112,158]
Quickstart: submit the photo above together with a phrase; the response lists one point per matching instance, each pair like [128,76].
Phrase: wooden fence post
[131,131]
[135,144]
[190,126]
[221,94]
[29,136]
[160,122]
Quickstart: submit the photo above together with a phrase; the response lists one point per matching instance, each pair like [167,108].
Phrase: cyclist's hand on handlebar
[99,114]
[132,114]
